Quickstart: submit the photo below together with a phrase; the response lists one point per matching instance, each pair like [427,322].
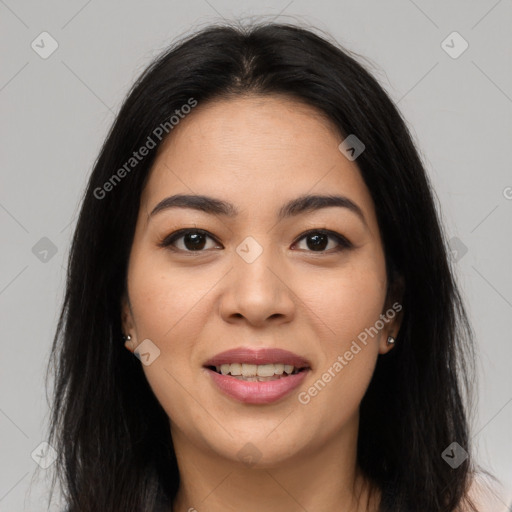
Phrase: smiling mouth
[257,373]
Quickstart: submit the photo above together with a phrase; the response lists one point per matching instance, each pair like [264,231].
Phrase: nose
[258,293]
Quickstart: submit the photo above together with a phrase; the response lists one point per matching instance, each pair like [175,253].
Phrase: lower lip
[249,392]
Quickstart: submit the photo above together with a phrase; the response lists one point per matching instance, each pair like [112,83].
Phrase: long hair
[112,436]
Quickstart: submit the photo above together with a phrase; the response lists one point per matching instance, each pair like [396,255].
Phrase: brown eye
[193,240]
[318,240]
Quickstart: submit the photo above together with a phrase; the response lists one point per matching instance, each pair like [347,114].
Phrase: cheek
[170,309]
[166,302]
[347,300]
[349,303]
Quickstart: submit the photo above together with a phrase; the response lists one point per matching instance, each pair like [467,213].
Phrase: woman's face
[253,279]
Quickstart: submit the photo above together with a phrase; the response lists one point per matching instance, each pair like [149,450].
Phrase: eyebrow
[297,206]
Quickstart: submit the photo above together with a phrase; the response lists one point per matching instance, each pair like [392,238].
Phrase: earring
[391,341]
[127,338]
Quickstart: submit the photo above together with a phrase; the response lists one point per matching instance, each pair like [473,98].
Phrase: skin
[258,152]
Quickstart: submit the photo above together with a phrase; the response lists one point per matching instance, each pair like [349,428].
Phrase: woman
[260,233]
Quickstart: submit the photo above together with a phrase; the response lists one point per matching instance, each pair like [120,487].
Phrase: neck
[322,477]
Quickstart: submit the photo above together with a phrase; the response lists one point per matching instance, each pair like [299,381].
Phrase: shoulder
[488,495]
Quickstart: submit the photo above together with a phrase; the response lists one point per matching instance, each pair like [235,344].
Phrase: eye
[193,240]
[318,239]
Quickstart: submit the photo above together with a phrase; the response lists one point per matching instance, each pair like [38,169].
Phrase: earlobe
[127,324]
[390,333]
[128,342]
[394,313]
[388,345]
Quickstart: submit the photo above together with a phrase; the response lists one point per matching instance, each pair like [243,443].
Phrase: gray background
[56,113]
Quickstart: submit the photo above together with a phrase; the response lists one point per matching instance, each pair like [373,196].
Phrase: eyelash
[170,239]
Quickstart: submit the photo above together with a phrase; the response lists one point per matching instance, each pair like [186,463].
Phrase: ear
[127,323]
[393,313]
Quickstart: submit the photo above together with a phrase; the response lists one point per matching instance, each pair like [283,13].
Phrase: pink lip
[260,356]
[250,392]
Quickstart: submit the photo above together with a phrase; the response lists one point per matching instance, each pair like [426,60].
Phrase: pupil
[321,245]
[195,239]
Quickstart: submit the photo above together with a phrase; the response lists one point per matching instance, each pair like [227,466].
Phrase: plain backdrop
[455,91]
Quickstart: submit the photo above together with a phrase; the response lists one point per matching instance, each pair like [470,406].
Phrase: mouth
[259,376]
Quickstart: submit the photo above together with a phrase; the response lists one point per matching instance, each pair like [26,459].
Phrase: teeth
[252,370]
[235,369]
[249,370]
[265,370]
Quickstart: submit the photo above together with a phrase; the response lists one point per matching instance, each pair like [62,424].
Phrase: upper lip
[258,356]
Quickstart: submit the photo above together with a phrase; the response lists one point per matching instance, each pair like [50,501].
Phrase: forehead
[255,151]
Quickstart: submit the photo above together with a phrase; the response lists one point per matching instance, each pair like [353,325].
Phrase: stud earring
[391,341]
[125,339]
